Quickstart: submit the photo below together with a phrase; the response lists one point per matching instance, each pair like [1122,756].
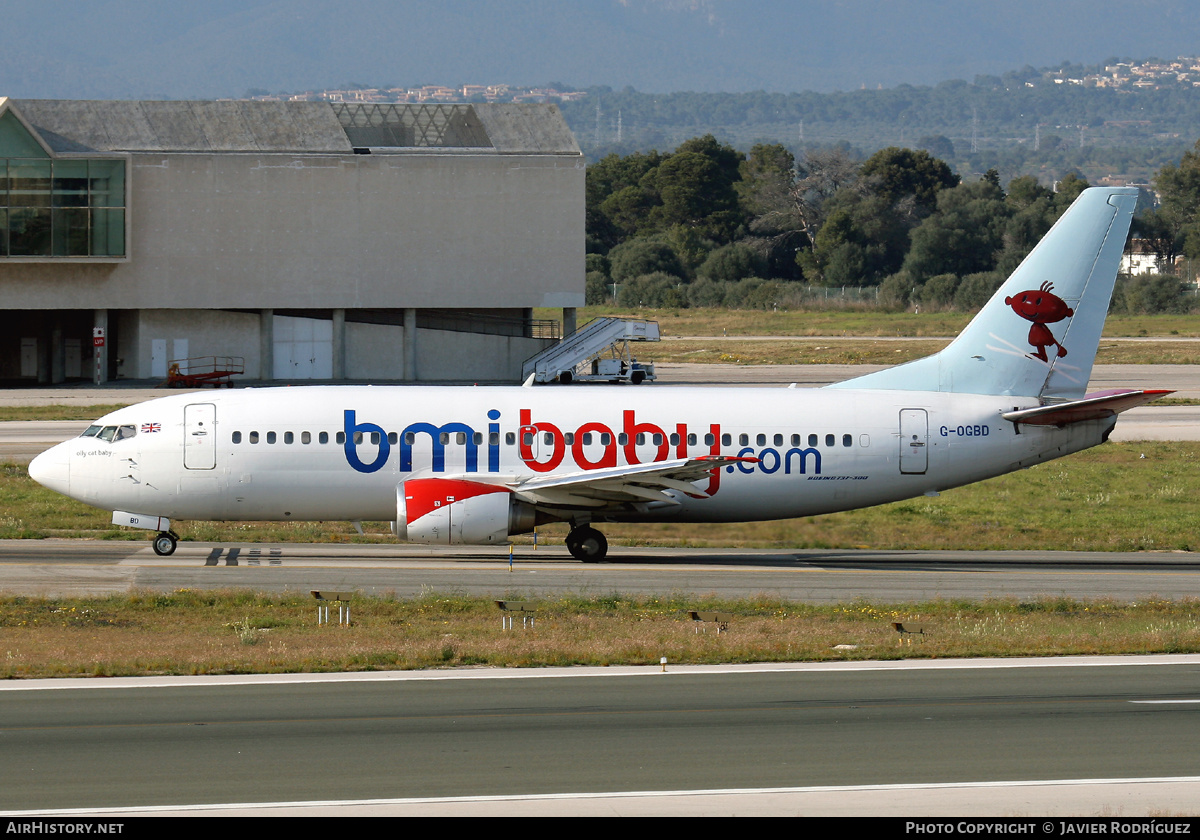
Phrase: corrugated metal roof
[92,126]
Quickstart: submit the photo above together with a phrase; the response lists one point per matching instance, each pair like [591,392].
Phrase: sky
[128,49]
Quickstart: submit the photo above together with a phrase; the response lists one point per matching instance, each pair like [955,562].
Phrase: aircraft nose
[52,468]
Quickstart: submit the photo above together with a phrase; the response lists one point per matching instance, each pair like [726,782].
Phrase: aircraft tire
[164,544]
[587,544]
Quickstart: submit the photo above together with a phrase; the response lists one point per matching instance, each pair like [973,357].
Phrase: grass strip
[867,352]
[854,321]
[240,632]
[10,413]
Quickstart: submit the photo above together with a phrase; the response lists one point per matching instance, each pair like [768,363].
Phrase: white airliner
[476,465]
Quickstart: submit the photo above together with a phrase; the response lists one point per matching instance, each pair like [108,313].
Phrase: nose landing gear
[164,543]
[587,544]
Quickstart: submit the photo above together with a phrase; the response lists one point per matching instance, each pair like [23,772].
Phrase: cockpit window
[91,431]
[113,433]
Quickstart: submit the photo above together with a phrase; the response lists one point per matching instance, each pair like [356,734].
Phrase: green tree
[732,262]
[638,257]
[656,290]
[695,187]
[902,173]
[964,236]
[596,289]
[614,174]
[1179,186]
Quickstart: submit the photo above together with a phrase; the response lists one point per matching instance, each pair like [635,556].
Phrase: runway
[1099,736]
[92,567]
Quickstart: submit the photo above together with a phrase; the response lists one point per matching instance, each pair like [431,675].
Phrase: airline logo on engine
[543,446]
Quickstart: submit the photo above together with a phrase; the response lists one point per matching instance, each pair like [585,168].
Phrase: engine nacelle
[455,511]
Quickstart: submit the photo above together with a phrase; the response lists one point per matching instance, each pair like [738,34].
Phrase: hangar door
[303,348]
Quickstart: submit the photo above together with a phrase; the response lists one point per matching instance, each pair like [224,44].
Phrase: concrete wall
[374,352]
[445,355]
[207,332]
[322,231]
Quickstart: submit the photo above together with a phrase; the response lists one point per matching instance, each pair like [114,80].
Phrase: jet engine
[454,511]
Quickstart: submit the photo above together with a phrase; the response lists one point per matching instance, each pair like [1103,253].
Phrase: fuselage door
[200,436]
[914,441]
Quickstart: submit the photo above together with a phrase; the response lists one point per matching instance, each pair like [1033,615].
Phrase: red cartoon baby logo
[1041,306]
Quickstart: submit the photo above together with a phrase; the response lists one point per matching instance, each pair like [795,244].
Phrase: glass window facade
[57,208]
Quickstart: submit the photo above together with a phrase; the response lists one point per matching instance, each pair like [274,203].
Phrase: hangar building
[315,240]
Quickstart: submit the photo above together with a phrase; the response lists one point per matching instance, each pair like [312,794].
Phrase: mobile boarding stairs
[599,352]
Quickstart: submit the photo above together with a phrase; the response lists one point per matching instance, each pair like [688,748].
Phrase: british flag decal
[150,428]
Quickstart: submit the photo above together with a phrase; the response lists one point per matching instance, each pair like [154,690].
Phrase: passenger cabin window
[237,437]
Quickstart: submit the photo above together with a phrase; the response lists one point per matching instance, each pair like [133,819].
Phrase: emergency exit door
[914,441]
[200,436]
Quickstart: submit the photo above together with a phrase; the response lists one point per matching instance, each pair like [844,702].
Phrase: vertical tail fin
[1038,335]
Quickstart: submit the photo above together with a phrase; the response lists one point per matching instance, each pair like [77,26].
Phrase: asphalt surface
[90,567]
[1078,736]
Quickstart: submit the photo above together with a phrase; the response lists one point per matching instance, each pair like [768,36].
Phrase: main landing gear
[587,544]
[164,543]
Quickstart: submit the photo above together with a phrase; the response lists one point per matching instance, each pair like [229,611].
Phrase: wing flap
[633,483]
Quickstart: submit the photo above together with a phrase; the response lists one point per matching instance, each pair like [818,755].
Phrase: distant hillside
[1018,123]
[220,48]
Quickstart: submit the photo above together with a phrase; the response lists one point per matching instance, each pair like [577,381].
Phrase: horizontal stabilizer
[1092,407]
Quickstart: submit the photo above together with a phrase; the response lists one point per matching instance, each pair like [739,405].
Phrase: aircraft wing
[1092,407]
[634,483]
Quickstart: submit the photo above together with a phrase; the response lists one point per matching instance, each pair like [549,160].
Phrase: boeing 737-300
[477,465]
